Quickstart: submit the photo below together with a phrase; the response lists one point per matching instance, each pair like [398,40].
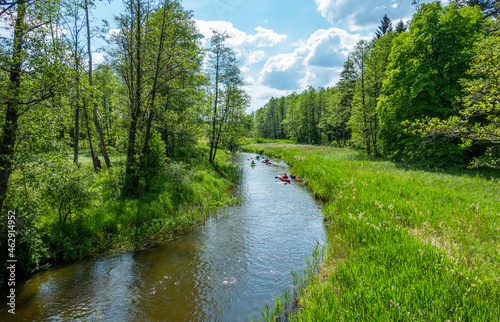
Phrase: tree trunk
[155,82]
[212,141]
[77,123]
[89,135]
[95,113]
[9,135]
[131,179]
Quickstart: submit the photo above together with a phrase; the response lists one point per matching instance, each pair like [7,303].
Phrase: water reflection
[224,271]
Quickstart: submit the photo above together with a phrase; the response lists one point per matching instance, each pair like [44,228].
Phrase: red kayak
[266,162]
[282,178]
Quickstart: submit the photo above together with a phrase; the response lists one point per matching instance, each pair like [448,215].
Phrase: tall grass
[247,141]
[404,244]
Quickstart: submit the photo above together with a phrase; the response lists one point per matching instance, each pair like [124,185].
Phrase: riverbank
[404,244]
[101,222]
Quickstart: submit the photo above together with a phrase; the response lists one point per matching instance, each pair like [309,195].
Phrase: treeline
[77,137]
[426,92]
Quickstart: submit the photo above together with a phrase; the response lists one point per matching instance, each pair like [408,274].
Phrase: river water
[224,271]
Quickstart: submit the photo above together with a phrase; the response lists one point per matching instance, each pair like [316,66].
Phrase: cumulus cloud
[365,14]
[261,94]
[245,46]
[283,71]
[98,58]
[314,62]
[256,56]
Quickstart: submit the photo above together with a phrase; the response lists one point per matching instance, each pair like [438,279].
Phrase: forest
[425,93]
[103,157]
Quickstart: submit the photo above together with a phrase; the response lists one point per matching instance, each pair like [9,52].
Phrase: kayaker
[285,176]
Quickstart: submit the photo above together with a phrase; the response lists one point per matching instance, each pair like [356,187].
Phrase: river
[225,270]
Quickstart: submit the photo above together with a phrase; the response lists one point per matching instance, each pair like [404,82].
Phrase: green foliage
[150,99]
[152,160]
[424,73]
[478,118]
[384,28]
[227,97]
[66,192]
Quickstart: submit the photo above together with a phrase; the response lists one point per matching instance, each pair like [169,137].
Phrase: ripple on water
[224,271]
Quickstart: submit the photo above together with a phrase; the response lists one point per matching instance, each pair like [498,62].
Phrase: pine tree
[385,27]
[400,27]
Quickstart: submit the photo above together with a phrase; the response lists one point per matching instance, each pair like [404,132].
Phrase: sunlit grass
[405,244]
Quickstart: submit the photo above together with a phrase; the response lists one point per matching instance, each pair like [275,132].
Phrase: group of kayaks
[264,160]
[283,178]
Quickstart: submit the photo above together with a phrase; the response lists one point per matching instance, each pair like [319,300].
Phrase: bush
[66,192]
[152,160]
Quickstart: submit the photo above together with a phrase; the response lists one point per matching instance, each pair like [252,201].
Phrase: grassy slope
[404,244]
[180,203]
[181,198]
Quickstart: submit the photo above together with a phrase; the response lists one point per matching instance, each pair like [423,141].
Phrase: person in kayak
[285,176]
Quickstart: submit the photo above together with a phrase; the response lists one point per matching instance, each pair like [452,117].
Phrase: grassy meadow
[404,244]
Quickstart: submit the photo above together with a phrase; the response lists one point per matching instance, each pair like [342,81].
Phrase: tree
[294,118]
[95,112]
[478,119]
[490,8]
[226,88]
[384,28]
[426,65]
[400,27]
[347,88]
[31,72]
[361,115]
[74,26]
[131,51]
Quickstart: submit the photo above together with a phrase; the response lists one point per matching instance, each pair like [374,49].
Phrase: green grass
[178,201]
[404,244]
[247,141]
[181,197]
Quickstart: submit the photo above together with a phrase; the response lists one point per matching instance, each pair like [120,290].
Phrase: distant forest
[426,92]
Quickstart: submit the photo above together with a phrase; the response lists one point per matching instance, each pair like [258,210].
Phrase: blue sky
[285,46]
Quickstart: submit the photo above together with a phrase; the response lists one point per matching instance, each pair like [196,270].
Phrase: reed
[404,244]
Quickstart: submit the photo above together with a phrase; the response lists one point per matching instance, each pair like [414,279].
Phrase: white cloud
[315,62]
[112,32]
[245,46]
[284,71]
[97,58]
[261,94]
[255,57]
[249,80]
[364,14]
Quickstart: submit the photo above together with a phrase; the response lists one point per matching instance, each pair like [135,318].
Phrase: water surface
[223,271]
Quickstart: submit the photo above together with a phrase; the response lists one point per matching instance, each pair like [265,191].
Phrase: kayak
[266,162]
[284,179]
[252,164]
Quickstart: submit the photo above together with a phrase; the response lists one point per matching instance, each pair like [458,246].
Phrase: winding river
[224,271]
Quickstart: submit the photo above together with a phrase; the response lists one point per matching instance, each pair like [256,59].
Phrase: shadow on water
[224,271]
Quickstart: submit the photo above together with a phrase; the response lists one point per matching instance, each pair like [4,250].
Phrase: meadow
[404,244]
